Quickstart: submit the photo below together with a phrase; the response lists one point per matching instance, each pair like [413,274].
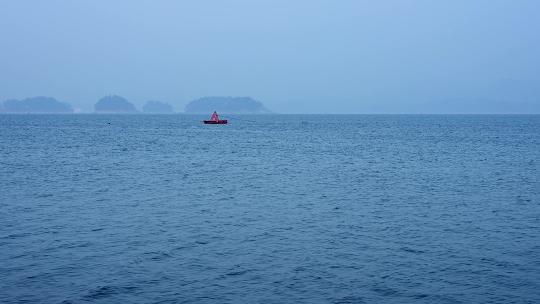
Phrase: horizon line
[252,114]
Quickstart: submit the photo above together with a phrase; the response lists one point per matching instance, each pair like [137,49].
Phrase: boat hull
[216,122]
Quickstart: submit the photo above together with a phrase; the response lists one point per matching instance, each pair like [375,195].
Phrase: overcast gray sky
[448,56]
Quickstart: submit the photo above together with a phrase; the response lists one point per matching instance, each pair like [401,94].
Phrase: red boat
[214,120]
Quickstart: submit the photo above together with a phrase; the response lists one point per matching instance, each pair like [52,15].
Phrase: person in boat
[215,116]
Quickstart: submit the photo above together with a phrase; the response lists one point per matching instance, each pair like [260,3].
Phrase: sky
[302,56]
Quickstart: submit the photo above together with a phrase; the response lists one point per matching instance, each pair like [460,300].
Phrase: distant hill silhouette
[114,104]
[157,107]
[36,105]
[231,105]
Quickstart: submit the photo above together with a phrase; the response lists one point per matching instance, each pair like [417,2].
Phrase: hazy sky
[448,56]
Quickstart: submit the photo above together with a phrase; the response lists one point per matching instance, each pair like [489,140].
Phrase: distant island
[39,104]
[114,104]
[226,105]
[157,107]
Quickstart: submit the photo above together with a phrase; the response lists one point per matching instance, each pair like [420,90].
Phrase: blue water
[269,209]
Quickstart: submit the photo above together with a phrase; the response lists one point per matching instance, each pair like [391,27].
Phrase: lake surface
[270,209]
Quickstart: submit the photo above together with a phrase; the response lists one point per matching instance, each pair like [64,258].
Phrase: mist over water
[303,56]
[269,209]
